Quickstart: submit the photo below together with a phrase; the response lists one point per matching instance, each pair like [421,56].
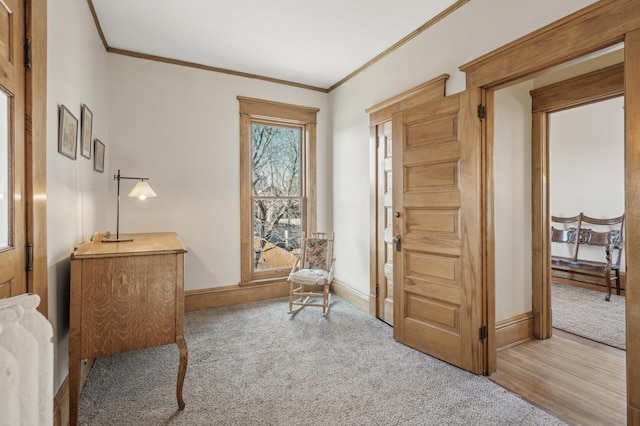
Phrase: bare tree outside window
[277,195]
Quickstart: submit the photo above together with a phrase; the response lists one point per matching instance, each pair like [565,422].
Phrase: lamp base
[116,240]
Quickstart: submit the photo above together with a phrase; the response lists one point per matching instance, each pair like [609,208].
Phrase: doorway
[586,174]
[523,180]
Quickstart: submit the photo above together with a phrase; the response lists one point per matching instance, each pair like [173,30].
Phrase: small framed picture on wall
[87,124]
[67,133]
[98,156]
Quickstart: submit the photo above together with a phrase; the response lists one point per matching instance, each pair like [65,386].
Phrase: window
[276,194]
[277,186]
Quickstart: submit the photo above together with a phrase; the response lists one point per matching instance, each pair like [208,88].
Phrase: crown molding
[382,55]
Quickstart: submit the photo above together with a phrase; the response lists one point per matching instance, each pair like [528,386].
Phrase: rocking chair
[312,274]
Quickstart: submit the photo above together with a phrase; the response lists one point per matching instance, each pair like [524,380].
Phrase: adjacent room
[577,117]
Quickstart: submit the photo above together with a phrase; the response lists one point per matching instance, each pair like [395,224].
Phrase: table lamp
[141,190]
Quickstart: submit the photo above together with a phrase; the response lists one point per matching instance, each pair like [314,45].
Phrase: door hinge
[482,334]
[29,257]
[27,52]
[376,295]
[482,112]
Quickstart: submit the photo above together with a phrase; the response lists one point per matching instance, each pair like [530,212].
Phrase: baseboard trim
[589,282]
[633,415]
[61,399]
[588,285]
[61,405]
[513,331]
[355,297]
[216,297]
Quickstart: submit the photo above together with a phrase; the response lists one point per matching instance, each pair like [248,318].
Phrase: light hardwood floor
[580,381]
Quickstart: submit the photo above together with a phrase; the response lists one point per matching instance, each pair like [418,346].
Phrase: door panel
[438,269]
[13,279]
[385,215]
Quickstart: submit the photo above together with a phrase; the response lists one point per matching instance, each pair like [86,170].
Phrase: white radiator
[26,363]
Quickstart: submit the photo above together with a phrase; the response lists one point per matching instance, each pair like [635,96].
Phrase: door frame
[36,149]
[601,25]
[588,88]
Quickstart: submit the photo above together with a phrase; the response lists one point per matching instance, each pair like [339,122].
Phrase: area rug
[254,364]
[585,313]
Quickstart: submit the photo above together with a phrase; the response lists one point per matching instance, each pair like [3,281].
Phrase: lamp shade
[142,190]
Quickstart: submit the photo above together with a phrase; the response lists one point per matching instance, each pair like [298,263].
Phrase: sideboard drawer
[128,303]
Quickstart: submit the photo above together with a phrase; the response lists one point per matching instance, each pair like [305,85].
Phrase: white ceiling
[315,43]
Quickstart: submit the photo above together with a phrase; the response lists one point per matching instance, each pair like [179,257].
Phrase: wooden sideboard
[125,296]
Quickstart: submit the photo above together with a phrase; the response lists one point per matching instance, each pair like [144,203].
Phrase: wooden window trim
[278,113]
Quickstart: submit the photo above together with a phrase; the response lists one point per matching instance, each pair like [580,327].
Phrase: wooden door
[438,285]
[13,273]
[385,222]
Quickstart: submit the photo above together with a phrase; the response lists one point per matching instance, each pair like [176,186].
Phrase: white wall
[586,165]
[512,204]
[180,127]
[76,195]
[476,28]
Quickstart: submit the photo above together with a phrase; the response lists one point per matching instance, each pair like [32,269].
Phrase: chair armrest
[330,278]
[608,252]
[295,266]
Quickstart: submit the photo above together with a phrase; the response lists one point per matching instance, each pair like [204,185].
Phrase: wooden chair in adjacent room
[311,276]
[584,231]
[567,235]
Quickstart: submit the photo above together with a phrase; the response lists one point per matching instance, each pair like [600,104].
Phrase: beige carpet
[585,313]
[254,364]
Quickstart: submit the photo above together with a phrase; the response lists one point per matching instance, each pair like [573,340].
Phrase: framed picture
[87,123]
[98,156]
[67,133]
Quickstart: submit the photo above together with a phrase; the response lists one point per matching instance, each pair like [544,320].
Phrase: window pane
[275,155]
[276,233]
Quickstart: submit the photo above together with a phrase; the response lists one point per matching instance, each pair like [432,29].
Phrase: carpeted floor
[254,364]
[585,313]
